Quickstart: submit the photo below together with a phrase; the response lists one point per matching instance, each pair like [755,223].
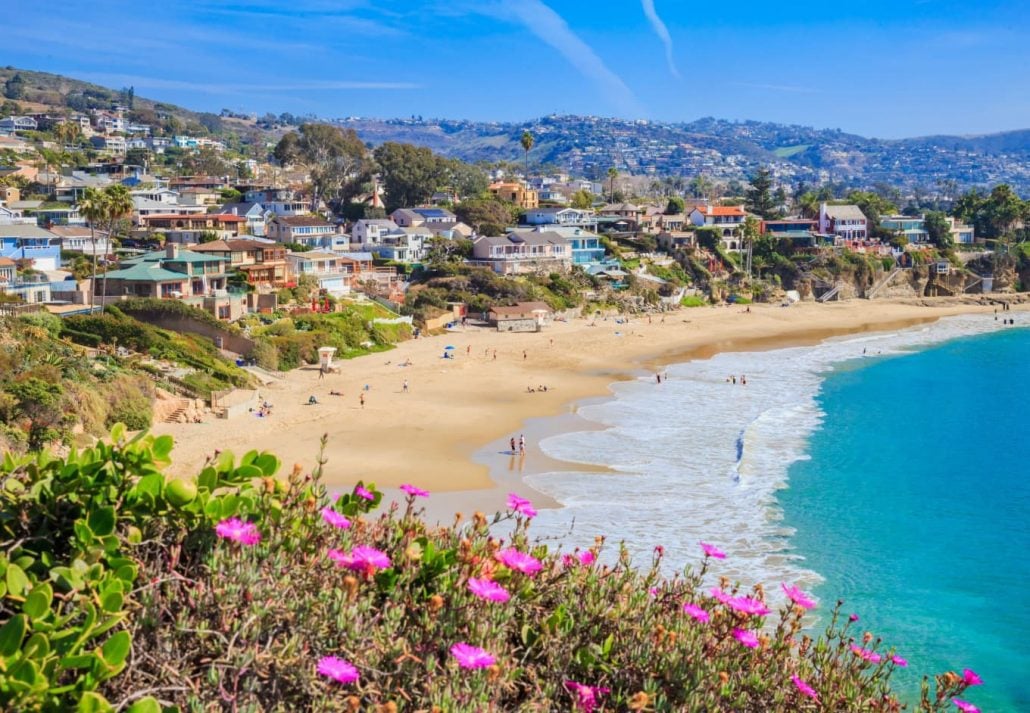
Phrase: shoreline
[458,411]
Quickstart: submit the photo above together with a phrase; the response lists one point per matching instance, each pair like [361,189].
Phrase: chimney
[171,251]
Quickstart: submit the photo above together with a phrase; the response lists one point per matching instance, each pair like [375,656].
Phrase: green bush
[120,584]
[693,301]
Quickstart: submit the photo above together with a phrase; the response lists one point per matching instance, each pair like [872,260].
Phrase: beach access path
[452,407]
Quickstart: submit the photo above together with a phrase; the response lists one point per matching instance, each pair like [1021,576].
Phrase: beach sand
[471,405]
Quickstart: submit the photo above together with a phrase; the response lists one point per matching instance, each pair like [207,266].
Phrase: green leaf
[208,479]
[117,432]
[162,447]
[268,463]
[11,635]
[116,649]
[101,521]
[112,602]
[91,702]
[37,604]
[37,647]
[150,485]
[148,704]
[17,582]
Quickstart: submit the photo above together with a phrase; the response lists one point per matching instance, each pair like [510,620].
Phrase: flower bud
[435,603]
[350,585]
[493,673]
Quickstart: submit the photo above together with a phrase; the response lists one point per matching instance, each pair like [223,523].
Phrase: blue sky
[874,67]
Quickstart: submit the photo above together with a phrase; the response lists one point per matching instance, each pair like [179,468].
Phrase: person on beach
[743,380]
[495,355]
[361,399]
[525,354]
[513,445]
[468,350]
[658,378]
[405,387]
[522,445]
[321,373]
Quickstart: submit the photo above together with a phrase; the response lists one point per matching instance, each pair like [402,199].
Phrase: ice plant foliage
[415,492]
[748,638]
[469,656]
[712,551]
[519,561]
[798,597]
[338,669]
[520,505]
[334,518]
[805,688]
[585,697]
[237,530]
[489,590]
[697,612]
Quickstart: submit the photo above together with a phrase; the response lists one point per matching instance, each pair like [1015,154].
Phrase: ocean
[889,470]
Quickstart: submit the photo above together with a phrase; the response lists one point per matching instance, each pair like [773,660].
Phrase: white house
[18,123]
[724,218]
[561,216]
[371,231]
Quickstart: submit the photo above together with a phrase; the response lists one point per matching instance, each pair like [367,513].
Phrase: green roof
[151,272]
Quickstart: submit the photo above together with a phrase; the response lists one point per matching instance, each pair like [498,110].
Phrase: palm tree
[118,205]
[92,208]
[527,142]
[612,174]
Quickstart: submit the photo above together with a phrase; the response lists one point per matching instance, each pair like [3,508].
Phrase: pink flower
[798,597]
[970,677]
[235,529]
[697,612]
[747,605]
[585,696]
[866,654]
[853,618]
[521,505]
[415,492]
[652,592]
[712,551]
[361,559]
[337,669]
[898,661]
[586,557]
[489,590]
[469,656]
[805,688]
[746,637]
[720,595]
[519,561]
[965,706]
[334,518]
[363,492]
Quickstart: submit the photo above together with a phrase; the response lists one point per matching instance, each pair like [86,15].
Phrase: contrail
[663,33]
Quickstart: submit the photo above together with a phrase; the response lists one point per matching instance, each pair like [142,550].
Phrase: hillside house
[912,227]
[727,219]
[421,217]
[516,193]
[187,229]
[961,234]
[308,230]
[573,217]
[30,242]
[326,268]
[263,264]
[253,212]
[171,273]
[522,252]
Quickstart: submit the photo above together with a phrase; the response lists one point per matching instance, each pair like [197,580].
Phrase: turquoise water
[915,508]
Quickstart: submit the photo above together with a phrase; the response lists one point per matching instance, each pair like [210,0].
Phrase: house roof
[216,246]
[160,256]
[313,255]
[240,208]
[433,213]
[522,308]
[845,212]
[357,256]
[19,230]
[721,210]
[217,217]
[74,231]
[302,221]
[147,272]
[7,262]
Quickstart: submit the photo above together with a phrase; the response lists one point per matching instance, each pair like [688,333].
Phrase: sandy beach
[474,402]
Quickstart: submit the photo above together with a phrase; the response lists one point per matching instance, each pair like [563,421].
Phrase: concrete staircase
[176,416]
[882,283]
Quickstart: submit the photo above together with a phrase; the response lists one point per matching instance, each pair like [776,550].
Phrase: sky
[880,68]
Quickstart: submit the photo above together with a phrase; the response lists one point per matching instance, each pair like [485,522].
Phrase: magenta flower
[585,696]
[337,669]
[415,492]
[652,592]
[965,706]
[521,505]
[899,661]
[697,612]
[334,518]
[798,597]
[363,492]
[853,618]
[866,654]
[747,605]
[712,551]
[519,561]
[746,637]
[720,595]
[970,677]
[237,530]
[469,656]
[586,557]
[489,590]
[805,688]
[361,559]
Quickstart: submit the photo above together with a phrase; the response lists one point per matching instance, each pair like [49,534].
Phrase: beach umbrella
[449,347]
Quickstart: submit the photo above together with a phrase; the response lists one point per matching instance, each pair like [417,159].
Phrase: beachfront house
[262,264]
[521,317]
[171,273]
[961,234]
[846,222]
[326,268]
[522,252]
[912,227]
[311,231]
[727,219]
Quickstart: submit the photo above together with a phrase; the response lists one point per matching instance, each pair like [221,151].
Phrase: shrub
[693,301]
[293,578]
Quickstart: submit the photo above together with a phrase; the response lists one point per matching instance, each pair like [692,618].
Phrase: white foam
[674,448]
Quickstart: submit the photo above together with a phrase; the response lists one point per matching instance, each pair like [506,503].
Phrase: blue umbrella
[448,347]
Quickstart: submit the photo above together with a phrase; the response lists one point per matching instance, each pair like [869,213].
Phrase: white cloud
[663,33]
[551,28]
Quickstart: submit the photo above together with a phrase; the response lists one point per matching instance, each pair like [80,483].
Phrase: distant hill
[589,146]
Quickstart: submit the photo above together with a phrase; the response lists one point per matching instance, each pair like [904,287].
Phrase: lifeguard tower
[325,358]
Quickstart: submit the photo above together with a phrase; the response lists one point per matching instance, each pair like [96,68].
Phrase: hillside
[589,146]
